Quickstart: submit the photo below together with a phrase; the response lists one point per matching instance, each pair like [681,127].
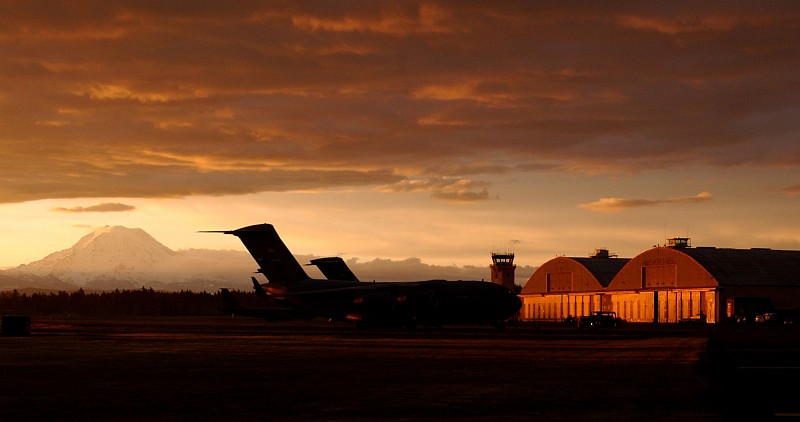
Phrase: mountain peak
[117,257]
[124,252]
[117,234]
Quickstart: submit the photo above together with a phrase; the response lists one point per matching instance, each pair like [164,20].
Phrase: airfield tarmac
[236,369]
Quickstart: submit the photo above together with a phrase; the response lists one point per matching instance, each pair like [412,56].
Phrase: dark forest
[143,302]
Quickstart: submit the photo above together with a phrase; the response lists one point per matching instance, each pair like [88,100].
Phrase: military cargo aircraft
[292,293]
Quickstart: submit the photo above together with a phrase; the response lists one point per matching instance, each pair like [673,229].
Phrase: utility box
[16,325]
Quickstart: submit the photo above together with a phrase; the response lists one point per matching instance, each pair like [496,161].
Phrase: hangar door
[655,276]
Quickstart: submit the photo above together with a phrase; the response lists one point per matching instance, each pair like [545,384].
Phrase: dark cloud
[619,204]
[148,99]
[104,207]
[138,182]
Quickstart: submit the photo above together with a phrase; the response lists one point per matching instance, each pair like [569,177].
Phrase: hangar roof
[740,267]
[603,269]
[586,274]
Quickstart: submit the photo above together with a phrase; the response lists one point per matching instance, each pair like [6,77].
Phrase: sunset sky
[437,130]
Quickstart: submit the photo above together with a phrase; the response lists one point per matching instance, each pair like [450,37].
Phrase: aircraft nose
[508,303]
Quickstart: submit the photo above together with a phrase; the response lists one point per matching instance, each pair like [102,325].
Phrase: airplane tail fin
[334,268]
[275,260]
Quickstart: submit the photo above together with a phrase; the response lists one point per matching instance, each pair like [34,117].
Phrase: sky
[436,130]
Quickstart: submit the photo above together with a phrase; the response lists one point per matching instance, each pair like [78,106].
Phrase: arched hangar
[668,284]
[569,286]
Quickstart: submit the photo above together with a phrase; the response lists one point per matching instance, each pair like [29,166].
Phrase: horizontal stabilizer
[257,287]
[334,268]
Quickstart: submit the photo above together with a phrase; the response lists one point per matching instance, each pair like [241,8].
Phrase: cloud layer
[619,204]
[104,207]
[143,99]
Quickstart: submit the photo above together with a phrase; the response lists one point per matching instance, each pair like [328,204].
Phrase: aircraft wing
[271,312]
[362,287]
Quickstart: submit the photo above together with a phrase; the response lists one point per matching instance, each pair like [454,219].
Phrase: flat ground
[208,369]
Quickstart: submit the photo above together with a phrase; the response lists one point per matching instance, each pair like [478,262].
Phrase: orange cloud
[428,18]
[104,207]
[665,26]
[793,190]
[459,190]
[619,204]
[121,92]
[275,98]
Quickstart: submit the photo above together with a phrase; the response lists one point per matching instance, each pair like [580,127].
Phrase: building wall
[556,307]
[671,306]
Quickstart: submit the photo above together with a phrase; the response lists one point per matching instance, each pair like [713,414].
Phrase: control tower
[503,269]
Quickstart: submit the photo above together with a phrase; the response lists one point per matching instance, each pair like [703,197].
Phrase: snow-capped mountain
[115,251]
[124,258]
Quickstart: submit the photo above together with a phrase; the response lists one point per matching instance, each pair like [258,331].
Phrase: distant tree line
[143,302]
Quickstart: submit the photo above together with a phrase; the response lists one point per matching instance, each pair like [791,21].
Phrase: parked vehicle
[772,318]
[600,319]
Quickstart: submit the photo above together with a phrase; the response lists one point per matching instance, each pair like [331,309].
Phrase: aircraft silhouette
[292,294]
